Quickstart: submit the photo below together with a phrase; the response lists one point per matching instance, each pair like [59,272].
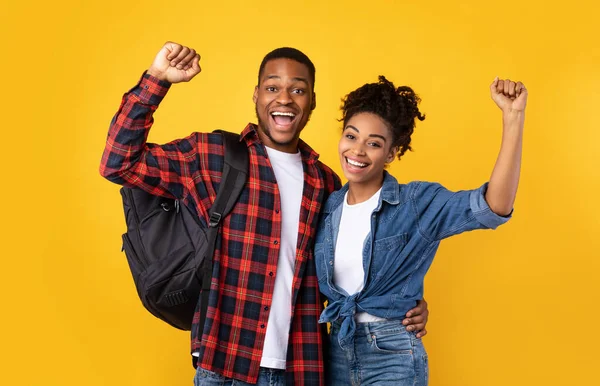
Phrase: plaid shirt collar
[250,135]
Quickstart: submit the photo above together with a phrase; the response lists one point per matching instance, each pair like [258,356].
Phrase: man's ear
[255,96]
[314,101]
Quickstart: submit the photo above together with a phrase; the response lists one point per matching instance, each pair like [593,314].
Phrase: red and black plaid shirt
[246,264]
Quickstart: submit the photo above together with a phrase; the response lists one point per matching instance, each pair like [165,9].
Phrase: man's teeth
[355,163]
[283,114]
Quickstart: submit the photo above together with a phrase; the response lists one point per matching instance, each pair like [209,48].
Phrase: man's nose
[284,97]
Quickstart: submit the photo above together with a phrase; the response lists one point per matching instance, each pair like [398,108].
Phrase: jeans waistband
[369,327]
[268,370]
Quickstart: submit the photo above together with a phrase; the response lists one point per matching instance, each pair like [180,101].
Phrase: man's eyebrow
[296,79]
[300,79]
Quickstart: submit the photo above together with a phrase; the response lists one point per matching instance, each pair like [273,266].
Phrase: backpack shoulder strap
[233,180]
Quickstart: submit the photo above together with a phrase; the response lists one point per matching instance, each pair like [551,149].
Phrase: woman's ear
[392,154]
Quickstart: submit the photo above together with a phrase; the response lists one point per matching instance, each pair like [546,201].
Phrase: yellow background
[518,306]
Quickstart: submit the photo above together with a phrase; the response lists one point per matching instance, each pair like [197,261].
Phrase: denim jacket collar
[390,193]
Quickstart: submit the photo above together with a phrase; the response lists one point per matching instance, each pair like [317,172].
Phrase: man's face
[284,101]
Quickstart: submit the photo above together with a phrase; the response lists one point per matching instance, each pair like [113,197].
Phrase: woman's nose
[358,149]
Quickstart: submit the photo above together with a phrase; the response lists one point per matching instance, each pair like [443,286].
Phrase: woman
[377,238]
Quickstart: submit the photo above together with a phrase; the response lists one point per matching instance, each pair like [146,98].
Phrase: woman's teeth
[355,163]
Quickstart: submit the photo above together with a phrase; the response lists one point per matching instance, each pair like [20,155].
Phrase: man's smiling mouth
[283,118]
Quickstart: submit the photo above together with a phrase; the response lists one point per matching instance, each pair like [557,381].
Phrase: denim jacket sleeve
[442,213]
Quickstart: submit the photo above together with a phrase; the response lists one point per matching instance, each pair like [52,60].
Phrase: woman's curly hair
[396,106]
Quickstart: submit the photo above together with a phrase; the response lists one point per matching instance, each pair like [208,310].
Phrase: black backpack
[169,252]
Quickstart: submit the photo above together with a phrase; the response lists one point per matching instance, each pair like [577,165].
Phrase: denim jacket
[406,229]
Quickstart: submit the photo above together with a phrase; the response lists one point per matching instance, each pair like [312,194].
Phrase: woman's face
[365,148]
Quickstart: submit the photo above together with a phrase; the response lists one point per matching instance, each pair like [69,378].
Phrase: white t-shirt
[348,270]
[290,181]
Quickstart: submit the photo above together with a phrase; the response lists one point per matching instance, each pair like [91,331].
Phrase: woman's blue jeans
[383,353]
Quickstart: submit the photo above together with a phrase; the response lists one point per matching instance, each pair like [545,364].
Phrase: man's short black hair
[289,53]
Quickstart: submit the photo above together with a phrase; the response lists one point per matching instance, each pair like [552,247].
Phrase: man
[265,258]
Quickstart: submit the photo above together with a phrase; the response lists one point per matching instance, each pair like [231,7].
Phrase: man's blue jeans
[382,353]
[266,377]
